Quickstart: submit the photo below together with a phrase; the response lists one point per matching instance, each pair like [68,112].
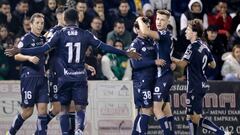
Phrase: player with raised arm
[70,43]
[143,75]
[34,88]
[196,58]
[161,97]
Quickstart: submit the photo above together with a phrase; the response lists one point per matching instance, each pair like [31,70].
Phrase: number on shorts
[28,94]
[147,95]
[55,89]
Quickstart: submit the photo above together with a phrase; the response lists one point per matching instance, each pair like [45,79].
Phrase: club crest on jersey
[33,44]
[144,49]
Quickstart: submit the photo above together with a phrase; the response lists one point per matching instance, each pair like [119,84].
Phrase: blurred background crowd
[112,22]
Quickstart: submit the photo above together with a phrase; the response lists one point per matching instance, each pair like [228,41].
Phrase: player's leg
[168,112]
[42,101]
[71,113]
[28,85]
[64,93]
[160,99]
[143,101]
[80,98]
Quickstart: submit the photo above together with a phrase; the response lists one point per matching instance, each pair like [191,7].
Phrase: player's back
[199,57]
[70,51]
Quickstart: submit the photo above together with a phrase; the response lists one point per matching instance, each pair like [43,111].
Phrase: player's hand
[12,51]
[160,62]
[33,59]
[133,54]
[173,66]
[92,69]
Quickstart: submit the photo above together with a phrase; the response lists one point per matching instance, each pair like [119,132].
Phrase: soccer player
[196,58]
[71,43]
[34,88]
[144,74]
[161,97]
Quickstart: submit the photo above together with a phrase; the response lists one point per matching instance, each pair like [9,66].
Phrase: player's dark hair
[81,1]
[197,26]
[71,16]
[23,1]
[123,1]
[36,15]
[164,12]
[145,20]
[60,10]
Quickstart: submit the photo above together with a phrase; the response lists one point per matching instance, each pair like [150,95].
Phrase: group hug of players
[150,55]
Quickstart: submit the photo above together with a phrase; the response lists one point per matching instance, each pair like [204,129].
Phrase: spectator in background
[116,67]
[161,4]
[222,19]
[136,6]
[235,22]
[49,13]
[217,48]
[235,38]
[4,65]
[6,16]
[230,69]
[96,28]
[119,33]
[195,11]
[5,37]
[125,14]
[25,27]
[82,9]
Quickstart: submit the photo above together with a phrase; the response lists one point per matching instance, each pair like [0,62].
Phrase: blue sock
[134,132]
[170,120]
[210,126]
[193,128]
[142,125]
[50,116]
[80,120]
[64,123]
[164,125]
[42,125]
[72,123]
[17,123]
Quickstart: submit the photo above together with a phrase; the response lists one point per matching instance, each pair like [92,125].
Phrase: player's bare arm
[180,63]
[32,59]
[145,30]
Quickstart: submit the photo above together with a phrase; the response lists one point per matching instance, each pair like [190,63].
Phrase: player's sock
[164,125]
[170,120]
[42,125]
[64,123]
[16,125]
[193,127]
[134,132]
[142,124]
[50,116]
[80,120]
[210,126]
[72,123]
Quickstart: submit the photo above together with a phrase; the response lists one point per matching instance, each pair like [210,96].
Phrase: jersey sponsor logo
[66,72]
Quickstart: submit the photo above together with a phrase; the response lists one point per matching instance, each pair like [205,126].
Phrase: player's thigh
[167,109]
[194,102]
[28,91]
[42,90]
[53,89]
[65,92]
[80,93]
[162,88]
[143,93]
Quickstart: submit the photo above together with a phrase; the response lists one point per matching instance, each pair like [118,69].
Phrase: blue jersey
[164,51]
[145,67]
[52,54]
[198,56]
[30,40]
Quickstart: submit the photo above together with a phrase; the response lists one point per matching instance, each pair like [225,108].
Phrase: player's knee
[56,108]
[80,108]
[27,112]
[147,111]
